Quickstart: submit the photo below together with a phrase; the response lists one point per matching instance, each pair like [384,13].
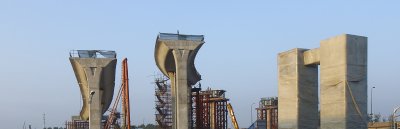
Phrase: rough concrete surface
[98,75]
[175,55]
[297,91]
[344,78]
[343,91]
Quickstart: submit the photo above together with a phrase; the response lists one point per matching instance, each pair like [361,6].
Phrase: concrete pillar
[97,75]
[297,91]
[172,78]
[174,55]
[343,67]
[95,113]
[182,89]
[91,73]
[212,115]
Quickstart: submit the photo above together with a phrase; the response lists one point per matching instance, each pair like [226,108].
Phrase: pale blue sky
[242,41]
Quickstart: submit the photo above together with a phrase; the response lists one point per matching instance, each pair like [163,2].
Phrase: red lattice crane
[124,93]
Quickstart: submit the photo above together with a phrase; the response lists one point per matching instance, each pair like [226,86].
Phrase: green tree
[150,126]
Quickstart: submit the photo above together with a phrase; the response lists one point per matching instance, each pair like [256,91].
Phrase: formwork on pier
[209,109]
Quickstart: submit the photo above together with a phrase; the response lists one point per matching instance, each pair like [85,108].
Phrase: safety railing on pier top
[92,54]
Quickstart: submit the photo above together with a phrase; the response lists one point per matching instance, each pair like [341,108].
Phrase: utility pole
[251,113]
[44,120]
[371,100]
[372,114]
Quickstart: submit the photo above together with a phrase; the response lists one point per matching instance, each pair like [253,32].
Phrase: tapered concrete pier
[174,56]
[95,73]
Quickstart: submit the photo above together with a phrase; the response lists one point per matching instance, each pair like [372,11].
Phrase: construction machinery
[232,114]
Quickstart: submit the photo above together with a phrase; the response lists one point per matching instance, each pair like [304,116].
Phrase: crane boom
[125,101]
[232,114]
[124,95]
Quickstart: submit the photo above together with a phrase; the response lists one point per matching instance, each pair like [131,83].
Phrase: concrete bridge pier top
[174,56]
[95,73]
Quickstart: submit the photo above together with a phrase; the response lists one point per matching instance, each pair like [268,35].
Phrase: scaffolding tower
[268,112]
[163,103]
[209,109]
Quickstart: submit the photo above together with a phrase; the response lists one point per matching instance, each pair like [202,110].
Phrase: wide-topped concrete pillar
[95,72]
[297,91]
[174,55]
[344,82]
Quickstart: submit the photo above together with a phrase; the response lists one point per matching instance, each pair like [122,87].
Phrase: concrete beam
[311,57]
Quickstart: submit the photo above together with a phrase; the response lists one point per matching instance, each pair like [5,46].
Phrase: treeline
[142,126]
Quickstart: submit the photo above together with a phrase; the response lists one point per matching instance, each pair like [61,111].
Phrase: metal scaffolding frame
[268,111]
[81,124]
[210,109]
[163,103]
